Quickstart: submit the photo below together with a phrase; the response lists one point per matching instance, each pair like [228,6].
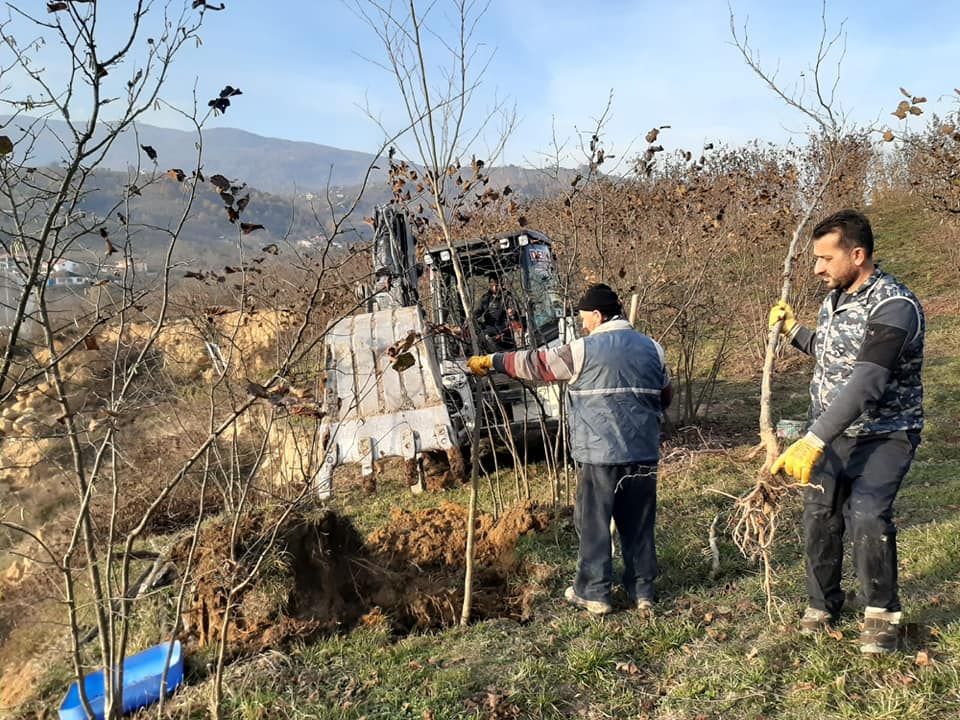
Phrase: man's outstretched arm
[544,365]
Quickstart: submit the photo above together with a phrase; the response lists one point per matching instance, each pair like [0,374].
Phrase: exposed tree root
[754,523]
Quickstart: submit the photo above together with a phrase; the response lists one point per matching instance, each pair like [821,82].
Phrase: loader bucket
[383,394]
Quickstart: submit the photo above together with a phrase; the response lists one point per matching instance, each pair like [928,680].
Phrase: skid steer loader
[396,383]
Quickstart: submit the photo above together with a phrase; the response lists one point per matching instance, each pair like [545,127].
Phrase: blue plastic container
[141,683]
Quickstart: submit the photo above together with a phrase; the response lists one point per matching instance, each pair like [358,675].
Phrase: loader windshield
[540,284]
[511,292]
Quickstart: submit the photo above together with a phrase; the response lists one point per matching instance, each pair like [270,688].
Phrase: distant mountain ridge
[273,165]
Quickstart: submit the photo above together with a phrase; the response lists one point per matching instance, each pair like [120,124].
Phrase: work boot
[594,607]
[881,629]
[645,605]
[815,620]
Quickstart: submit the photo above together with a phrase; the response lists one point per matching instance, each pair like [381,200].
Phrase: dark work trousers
[628,494]
[860,479]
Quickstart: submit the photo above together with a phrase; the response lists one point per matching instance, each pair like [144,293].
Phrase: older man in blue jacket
[618,388]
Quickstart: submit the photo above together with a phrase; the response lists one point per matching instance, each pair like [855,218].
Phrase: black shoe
[879,636]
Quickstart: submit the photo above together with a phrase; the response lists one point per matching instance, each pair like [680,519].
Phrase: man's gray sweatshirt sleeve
[802,339]
[891,327]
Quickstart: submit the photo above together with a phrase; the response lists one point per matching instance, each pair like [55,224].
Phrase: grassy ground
[711,651]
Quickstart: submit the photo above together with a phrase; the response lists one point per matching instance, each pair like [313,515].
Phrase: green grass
[711,651]
[909,243]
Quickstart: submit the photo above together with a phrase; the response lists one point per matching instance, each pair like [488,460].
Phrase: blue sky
[302,69]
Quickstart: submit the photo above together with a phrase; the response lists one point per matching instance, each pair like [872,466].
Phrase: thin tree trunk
[768,437]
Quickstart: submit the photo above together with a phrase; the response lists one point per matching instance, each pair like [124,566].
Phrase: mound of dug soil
[438,536]
[321,577]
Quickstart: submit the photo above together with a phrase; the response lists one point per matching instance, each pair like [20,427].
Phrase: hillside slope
[711,651]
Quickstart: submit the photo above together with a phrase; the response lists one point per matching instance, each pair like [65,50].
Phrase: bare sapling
[756,513]
[442,130]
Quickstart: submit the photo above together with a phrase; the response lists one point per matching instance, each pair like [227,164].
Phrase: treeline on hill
[701,238]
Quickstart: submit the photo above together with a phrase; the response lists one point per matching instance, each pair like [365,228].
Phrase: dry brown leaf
[905,680]
[220,182]
[888,136]
[110,249]
[403,361]
[307,411]
[922,659]
[715,634]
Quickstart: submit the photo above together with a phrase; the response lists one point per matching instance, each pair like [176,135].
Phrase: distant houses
[64,272]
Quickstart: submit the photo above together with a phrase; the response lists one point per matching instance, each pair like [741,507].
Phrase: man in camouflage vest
[618,388]
[866,410]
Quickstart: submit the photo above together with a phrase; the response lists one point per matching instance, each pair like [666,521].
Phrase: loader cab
[511,285]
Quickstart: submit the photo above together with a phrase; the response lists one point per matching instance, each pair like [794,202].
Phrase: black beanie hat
[601,297]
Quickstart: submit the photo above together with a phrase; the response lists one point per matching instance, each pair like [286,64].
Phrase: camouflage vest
[840,334]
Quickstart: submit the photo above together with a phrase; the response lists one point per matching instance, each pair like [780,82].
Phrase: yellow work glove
[798,460]
[782,311]
[480,364]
